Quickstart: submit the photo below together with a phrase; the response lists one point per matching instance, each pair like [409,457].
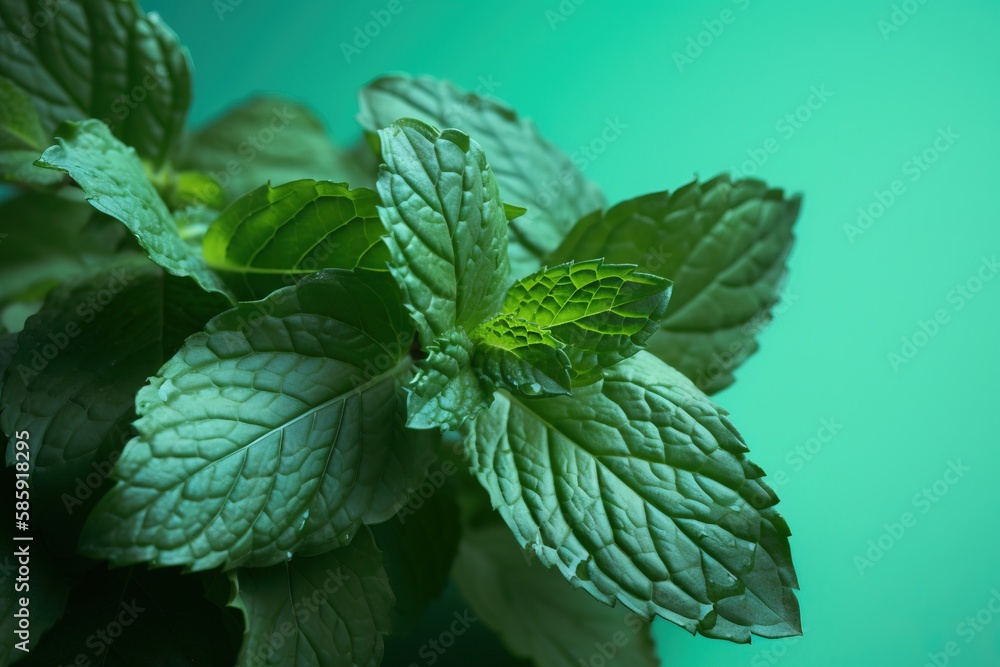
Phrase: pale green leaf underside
[638,490]
[603,313]
[113,179]
[724,246]
[446,391]
[447,232]
[271,139]
[332,610]
[530,171]
[279,429]
[537,614]
[102,59]
[514,354]
[272,236]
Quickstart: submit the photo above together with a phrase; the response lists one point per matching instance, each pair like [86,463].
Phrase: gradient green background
[848,304]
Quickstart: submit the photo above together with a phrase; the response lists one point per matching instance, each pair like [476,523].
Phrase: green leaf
[446,227]
[538,615]
[724,246]
[270,139]
[638,490]
[418,546]
[22,138]
[74,393]
[332,610]
[604,313]
[273,236]
[530,170]
[115,183]
[514,354]
[279,429]
[102,59]
[446,391]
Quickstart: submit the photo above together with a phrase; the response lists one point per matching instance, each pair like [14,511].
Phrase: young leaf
[73,392]
[115,183]
[638,490]
[22,138]
[517,355]
[604,313]
[538,615]
[724,246]
[446,391]
[101,59]
[279,429]
[530,171]
[447,232]
[332,610]
[271,139]
[273,236]
[419,545]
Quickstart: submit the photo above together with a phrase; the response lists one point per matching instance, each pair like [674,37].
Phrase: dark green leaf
[530,171]
[74,393]
[332,610]
[22,138]
[273,236]
[115,183]
[446,391]
[514,354]
[538,614]
[101,59]
[271,139]
[279,429]
[604,313]
[724,246]
[638,490]
[447,232]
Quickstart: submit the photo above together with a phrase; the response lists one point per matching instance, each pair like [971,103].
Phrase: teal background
[848,304]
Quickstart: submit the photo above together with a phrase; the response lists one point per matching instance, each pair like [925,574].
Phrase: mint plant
[294,399]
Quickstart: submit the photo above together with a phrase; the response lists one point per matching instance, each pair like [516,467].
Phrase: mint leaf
[538,615]
[102,59]
[724,246]
[73,392]
[514,354]
[418,546]
[22,138]
[638,490]
[114,181]
[447,232]
[530,171]
[604,313]
[446,391]
[332,610]
[278,429]
[273,236]
[271,139]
